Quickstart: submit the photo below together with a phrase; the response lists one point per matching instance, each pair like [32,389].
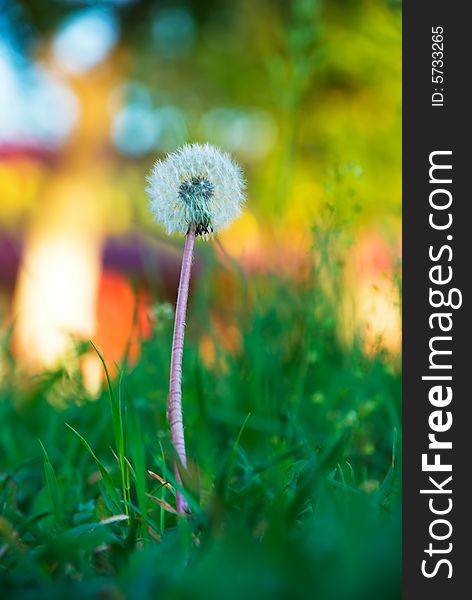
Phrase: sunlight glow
[56,296]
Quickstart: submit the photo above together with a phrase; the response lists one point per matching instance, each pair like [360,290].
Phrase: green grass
[294,445]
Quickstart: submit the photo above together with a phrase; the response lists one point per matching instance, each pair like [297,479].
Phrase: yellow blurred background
[305,94]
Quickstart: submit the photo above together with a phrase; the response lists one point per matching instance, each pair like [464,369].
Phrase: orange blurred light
[122,318]
[372,303]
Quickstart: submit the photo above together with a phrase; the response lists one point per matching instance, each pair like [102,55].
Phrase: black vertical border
[426,129]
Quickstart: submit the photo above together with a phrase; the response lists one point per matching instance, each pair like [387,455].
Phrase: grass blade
[117,419]
[53,489]
[107,480]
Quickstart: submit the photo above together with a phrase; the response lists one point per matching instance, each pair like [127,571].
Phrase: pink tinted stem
[174,408]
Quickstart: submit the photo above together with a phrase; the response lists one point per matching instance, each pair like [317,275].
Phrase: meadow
[292,359]
[295,465]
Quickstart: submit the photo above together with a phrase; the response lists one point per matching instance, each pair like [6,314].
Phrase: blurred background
[292,370]
[304,94]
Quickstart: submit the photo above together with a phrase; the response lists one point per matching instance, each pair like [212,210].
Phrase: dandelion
[196,190]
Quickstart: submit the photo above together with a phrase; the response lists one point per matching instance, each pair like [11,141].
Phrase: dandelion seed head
[197,186]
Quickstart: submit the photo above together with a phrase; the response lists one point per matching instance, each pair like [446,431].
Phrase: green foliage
[293,476]
[292,435]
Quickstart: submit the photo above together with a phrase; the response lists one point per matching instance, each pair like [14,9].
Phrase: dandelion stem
[174,409]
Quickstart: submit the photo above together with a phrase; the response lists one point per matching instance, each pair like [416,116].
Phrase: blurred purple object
[153,264]
[10,252]
[150,263]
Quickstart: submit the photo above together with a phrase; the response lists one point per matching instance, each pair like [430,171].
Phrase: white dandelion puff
[198,187]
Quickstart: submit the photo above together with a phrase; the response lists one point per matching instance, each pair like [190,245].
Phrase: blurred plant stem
[291,72]
[174,410]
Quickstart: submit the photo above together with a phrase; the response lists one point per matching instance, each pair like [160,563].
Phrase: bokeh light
[85,38]
[93,98]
